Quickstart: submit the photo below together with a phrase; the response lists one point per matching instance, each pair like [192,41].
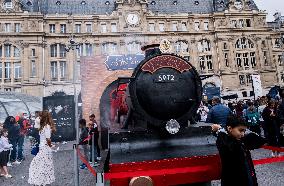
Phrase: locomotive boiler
[161,96]
[165,90]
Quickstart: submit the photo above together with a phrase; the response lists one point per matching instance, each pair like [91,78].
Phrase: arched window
[204,45]
[109,48]
[134,47]
[245,54]
[181,46]
[10,62]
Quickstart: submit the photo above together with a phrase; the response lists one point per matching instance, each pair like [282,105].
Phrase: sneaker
[83,166]
[99,158]
[8,176]
[272,154]
[9,164]
[17,162]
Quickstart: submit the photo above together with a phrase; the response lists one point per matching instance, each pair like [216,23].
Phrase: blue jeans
[20,147]
[18,144]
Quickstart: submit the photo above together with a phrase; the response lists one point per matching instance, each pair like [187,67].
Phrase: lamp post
[72,45]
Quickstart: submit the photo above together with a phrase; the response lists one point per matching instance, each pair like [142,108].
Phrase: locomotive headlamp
[172,126]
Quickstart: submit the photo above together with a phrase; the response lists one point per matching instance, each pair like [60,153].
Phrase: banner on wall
[256,83]
[63,111]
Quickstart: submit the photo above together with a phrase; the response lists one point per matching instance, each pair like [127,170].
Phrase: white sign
[256,82]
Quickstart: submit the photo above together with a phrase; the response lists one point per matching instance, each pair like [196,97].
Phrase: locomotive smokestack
[150,50]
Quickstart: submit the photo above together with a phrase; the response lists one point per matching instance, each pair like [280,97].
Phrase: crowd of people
[264,116]
[234,141]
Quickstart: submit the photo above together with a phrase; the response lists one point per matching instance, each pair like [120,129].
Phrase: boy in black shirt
[234,144]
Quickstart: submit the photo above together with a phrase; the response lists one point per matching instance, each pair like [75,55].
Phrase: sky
[271,6]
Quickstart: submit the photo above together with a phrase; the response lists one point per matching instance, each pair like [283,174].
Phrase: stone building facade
[226,40]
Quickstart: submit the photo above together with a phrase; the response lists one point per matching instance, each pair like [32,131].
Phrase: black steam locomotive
[164,92]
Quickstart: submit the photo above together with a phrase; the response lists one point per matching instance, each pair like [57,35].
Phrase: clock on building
[132,19]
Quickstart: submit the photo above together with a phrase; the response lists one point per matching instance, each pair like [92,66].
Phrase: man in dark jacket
[218,113]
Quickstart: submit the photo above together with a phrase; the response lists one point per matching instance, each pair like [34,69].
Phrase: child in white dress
[41,171]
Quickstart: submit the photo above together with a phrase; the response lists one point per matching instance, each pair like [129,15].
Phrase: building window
[280,60]
[174,27]
[239,60]
[89,49]
[151,27]
[248,78]
[252,59]
[241,23]
[242,79]
[1,52]
[109,48]
[245,60]
[245,94]
[225,47]
[244,43]
[209,62]
[62,51]
[8,4]
[206,25]
[196,26]
[204,45]
[53,50]
[17,70]
[89,28]
[16,52]
[161,27]
[78,28]
[33,68]
[234,24]
[277,43]
[134,47]
[62,69]
[52,28]
[226,59]
[202,63]
[113,27]
[265,58]
[205,62]
[7,27]
[79,50]
[33,52]
[103,28]
[8,70]
[7,50]
[17,27]
[282,78]
[53,70]
[248,23]
[62,28]
[183,26]
[181,47]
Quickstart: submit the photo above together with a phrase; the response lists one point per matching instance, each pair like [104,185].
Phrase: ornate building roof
[107,6]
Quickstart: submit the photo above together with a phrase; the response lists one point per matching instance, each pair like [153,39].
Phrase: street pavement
[271,174]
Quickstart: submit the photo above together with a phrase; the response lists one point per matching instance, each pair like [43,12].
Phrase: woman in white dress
[41,171]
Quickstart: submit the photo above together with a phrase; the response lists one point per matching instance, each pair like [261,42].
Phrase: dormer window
[8,4]
[175,3]
[196,2]
[153,2]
